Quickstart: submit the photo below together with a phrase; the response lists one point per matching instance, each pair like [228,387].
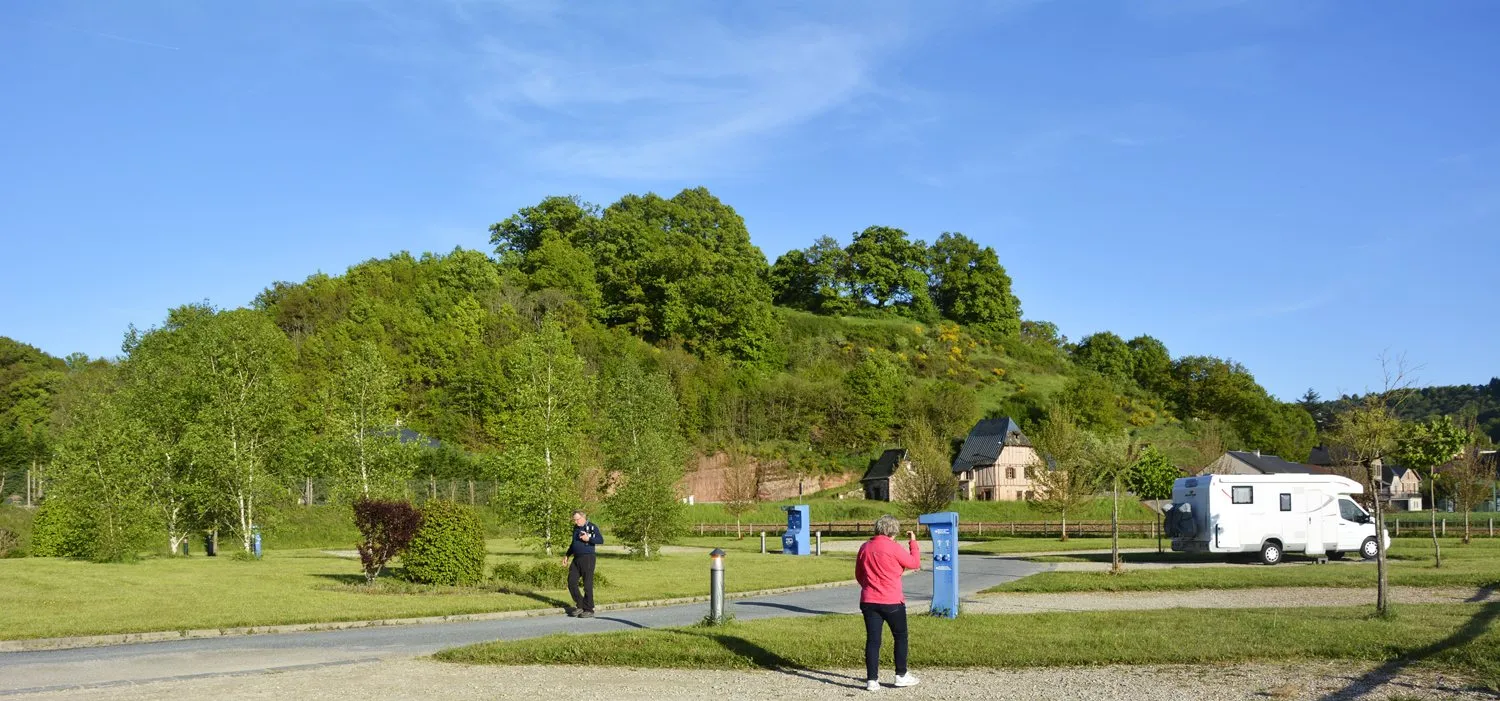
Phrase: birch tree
[362,419]
[541,431]
[240,362]
[644,453]
[1068,478]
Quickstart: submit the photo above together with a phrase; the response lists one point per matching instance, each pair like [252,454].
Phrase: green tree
[1368,433]
[239,361]
[1151,478]
[948,408]
[1068,479]
[741,488]
[98,481]
[1106,354]
[1424,446]
[363,418]
[881,261]
[929,485]
[971,287]
[1112,456]
[645,453]
[1150,364]
[874,388]
[567,217]
[541,433]
[1093,402]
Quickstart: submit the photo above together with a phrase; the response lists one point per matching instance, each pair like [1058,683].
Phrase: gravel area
[423,679]
[1270,597]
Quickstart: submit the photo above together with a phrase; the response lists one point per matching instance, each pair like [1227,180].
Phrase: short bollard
[762,542]
[818,550]
[716,586]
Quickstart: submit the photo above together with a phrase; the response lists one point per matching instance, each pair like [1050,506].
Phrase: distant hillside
[1477,403]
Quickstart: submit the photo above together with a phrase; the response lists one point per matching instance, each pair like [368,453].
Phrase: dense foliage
[448,547]
[587,360]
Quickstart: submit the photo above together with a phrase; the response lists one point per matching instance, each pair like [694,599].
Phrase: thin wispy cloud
[656,93]
[112,37]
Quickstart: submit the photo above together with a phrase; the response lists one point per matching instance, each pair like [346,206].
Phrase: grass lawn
[51,597]
[1462,637]
[1474,565]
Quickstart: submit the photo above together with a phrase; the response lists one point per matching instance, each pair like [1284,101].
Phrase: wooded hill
[820,359]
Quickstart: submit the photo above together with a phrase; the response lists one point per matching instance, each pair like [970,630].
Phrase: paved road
[24,672]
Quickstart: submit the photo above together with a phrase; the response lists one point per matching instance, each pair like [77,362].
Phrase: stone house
[877,482]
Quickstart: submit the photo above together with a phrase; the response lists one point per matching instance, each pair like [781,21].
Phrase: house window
[1243,495]
[1010,473]
[1286,502]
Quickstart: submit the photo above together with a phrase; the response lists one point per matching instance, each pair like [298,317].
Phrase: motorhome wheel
[1270,553]
[1367,549]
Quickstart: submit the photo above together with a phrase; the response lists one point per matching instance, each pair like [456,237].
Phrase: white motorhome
[1271,515]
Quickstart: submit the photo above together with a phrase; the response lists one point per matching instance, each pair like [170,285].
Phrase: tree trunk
[1114,532]
[307,493]
[471,492]
[1382,593]
[737,534]
[1064,526]
[1466,527]
[1437,550]
[1158,531]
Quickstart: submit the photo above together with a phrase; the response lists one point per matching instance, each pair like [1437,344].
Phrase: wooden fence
[976,529]
[1398,528]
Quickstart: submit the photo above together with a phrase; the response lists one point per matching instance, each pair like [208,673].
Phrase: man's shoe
[572,612]
[585,614]
[872,685]
[907,679]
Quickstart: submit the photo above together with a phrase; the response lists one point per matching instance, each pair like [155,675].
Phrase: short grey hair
[887,525]
[580,513]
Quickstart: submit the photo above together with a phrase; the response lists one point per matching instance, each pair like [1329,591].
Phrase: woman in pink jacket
[878,569]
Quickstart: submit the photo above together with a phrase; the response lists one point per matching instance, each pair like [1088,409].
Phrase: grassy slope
[1475,565]
[1460,636]
[47,597]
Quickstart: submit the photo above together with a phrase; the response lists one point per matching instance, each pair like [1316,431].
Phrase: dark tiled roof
[885,465]
[985,442]
[1273,465]
[406,435]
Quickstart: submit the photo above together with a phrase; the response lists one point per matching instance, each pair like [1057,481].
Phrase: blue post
[255,533]
[943,527]
[794,541]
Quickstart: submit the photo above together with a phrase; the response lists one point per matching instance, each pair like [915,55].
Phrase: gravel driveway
[422,679]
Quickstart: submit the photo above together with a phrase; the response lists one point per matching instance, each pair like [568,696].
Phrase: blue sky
[1299,186]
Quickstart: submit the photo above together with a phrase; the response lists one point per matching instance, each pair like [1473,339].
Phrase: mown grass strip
[1463,637]
[1475,565]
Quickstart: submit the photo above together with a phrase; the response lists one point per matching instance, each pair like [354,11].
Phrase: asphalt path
[55,670]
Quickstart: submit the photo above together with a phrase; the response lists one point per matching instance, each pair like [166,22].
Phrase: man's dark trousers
[582,568]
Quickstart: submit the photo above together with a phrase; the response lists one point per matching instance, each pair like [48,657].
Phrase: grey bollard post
[716,586]
[762,542]
[819,547]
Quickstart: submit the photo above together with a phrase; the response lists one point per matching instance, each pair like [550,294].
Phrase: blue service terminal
[255,533]
[943,527]
[794,541]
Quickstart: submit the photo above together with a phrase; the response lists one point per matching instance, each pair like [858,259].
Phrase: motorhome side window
[1349,511]
[1286,502]
[1243,495]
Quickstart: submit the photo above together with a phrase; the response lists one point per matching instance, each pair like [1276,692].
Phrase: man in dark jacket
[585,536]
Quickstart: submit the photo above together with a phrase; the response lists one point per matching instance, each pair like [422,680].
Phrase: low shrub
[448,547]
[386,527]
[544,574]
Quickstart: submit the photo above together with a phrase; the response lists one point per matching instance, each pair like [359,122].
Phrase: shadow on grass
[1375,678]
[771,661]
[783,607]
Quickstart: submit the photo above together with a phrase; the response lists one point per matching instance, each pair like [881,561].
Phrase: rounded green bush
[448,547]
